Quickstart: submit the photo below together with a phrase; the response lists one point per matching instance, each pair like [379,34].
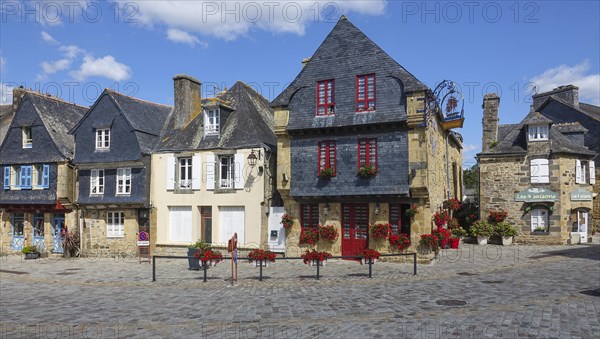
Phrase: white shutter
[544,169]
[238,171]
[578,175]
[180,227]
[170,173]
[534,171]
[231,220]
[592,172]
[210,172]
[196,172]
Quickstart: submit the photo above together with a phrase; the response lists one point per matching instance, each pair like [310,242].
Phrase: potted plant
[506,231]
[314,258]
[326,172]
[367,171]
[309,236]
[30,252]
[209,258]
[287,221]
[380,231]
[328,232]
[482,230]
[70,242]
[258,256]
[429,242]
[497,216]
[411,212]
[456,234]
[452,204]
[443,236]
[441,218]
[197,247]
[540,229]
[399,242]
[369,255]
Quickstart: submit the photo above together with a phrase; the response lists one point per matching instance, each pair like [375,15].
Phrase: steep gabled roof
[346,42]
[250,124]
[534,118]
[586,109]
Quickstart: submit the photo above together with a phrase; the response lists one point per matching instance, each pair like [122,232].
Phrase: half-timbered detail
[368,152]
[36,196]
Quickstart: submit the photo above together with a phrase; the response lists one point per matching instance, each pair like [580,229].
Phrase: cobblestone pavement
[474,292]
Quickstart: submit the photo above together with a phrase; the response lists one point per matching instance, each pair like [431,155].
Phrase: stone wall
[97,244]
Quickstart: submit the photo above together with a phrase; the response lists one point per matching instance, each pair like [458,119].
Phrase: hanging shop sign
[581,195]
[536,195]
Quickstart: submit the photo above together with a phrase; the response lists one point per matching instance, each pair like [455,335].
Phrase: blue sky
[76,48]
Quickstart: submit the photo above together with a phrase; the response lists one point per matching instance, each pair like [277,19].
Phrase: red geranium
[328,232]
[380,231]
[315,255]
[259,254]
[497,216]
[399,242]
[309,236]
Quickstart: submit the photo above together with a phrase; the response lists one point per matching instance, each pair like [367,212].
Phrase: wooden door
[355,228]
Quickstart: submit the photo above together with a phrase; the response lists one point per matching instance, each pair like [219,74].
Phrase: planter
[32,255]
[482,240]
[209,263]
[256,263]
[315,262]
[506,241]
[193,262]
[365,261]
[454,243]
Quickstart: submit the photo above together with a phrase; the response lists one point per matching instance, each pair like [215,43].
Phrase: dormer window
[27,137]
[538,132]
[103,139]
[212,122]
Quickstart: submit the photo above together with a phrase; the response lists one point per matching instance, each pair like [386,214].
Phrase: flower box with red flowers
[209,257]
[328,232]
[399,242]
[497,216]
[309,236]
[369,255]
[313,257]
[367,171]
[287,221]
[380,231]
[326,173]
[257,256]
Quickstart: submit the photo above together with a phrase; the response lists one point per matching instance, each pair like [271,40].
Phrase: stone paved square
[475,292]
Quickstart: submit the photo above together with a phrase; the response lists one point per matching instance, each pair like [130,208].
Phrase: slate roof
[346,42]
[512,139]
[590,110]
[250,124]
[570,127]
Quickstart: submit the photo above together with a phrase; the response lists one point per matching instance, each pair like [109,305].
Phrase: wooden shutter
[238,172]
[534,171]
[210,172]
[544,168]
[46,176]
[7,177]
[196,172]
[26,177]
[170,173]
[592,172]
[578,174]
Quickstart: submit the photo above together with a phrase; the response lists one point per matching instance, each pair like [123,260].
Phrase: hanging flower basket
[309,236]
[258,255]
[328,232]
[380,231]
[399,242]
[287,221]
[411,212]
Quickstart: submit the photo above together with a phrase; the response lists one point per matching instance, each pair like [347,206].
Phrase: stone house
[353,108]
[114,142]
[37,193]
[540,172]
[213,171]
[562,105]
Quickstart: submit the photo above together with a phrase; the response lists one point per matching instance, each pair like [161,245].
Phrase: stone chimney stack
[17,97]
[568,94]
[491,102]
[188,99]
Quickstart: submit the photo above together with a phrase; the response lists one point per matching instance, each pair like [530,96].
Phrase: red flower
[380,231]
[328,232]
[399,242]
[309,236]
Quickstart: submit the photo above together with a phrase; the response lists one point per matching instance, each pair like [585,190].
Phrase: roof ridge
[51,97]
[137,99]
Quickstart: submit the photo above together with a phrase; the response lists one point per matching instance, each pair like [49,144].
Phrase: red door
[355,229]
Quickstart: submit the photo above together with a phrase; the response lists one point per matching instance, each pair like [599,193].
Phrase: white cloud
[106,67]
[231,19]
[55,66]
[49,38]
[5,93]
[589,84]
[470,147]
[179,36]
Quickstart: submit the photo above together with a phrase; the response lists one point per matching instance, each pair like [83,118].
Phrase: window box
[367,171]
[326,173]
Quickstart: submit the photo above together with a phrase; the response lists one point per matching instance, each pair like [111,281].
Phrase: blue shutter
[46,176]
[25,177]
[7,177]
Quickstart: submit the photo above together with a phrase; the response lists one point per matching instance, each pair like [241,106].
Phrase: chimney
[188,99]
[568,94]
[17,97]
[491,101]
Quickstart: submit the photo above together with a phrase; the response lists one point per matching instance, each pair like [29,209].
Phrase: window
[18,224]
[538,132]
[585,172]
[327,155]
[103,138]
[539,219]
[38,225]
[309,217]
[7,177]
[212,122]
[115,224]
[23,177]
[540,172]
[226,172]
[185,173]
[124,181]
[27,137]
[365,93]
[97,181]
[325,97]
[41,176]
[399,221]
[367,153]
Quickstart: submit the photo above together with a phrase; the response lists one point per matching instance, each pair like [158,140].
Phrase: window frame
[313,211]
[366,88]
[330,147]
[230,168]
[538,132]
[115,230]
[99,186]
[37,217]
[211,128]
[369,143]
[189,172]
[543,212]
[328,104]
[27,137]
[125,177]
[102,140]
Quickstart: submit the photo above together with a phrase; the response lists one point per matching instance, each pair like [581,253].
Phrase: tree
[471,176]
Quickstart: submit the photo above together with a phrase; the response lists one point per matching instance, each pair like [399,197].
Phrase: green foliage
[471,177]
[482,228]
[200,244]
[504,229]
[29,249]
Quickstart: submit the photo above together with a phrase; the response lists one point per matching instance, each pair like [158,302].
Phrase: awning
[35,208]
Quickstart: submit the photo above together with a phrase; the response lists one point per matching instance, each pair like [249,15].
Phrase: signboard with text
[581,195]
[536,195]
